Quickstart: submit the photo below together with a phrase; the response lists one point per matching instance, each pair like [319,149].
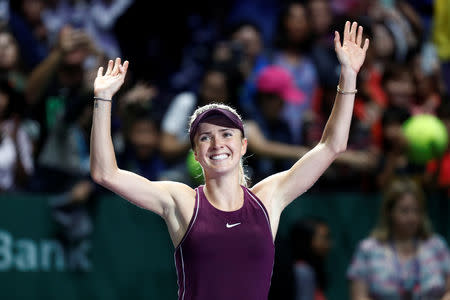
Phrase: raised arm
[155,196]
[41,76]
[283,188]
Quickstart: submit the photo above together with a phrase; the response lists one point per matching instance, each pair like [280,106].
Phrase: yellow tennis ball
[194,168]
[427,137]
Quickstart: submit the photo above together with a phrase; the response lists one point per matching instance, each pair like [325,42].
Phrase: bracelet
[345,92]
[102,99]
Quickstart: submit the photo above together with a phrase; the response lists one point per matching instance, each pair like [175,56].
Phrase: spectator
[142,134]
[403,24]
[394,160]
[384,44]
[28,28]
[10,61]
[269,136]
[439,169]
[248,37]
[262,13]
[372,99]
[397,91]
[428,85]
[293,44]
[402,258]
[322,53]
[229,58]
[291,53]
[57,83]
[16,161]
[398,83]
[310,240]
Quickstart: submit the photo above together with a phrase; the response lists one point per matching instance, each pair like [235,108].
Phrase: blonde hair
[398,188]
[244,179]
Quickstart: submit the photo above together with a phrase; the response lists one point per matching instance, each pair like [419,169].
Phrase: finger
[337,40]
[115,70]
[347,30]
[359,36]
[353,32]
[125,67]
[110,66]
[100,72]
[366,45]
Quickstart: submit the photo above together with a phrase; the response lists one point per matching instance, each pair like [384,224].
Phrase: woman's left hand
[106,85]
[351,53]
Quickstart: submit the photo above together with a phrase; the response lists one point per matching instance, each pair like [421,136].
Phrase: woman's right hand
[105,86]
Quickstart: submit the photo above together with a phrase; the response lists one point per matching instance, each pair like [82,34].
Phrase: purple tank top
[226,255]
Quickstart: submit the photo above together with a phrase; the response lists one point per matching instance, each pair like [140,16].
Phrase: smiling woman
[223,231]
[228,122]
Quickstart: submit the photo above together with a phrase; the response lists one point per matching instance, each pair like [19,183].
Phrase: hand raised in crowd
[106,85]
[351,53]
[70,39]
[140,92]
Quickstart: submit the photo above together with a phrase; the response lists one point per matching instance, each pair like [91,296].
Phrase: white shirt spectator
[10,153]
[177,116]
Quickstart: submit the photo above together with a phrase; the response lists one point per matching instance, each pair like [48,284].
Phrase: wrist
[348,72]
[343,91]
[347,78]
[104,95]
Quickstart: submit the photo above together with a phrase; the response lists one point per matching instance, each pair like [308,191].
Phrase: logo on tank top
[233,225]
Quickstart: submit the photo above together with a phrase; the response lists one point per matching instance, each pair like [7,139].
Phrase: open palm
[108,84]
[351,53]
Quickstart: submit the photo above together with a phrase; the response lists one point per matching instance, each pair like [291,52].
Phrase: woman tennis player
[223,231]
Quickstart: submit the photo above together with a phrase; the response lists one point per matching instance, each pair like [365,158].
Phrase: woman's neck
[404,244]
[225,193]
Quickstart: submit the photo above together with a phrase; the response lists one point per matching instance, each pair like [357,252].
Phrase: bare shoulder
[259,191]
[183,200]
[180,192]
[268,193]
[267,189]
[180,214]
[176,187]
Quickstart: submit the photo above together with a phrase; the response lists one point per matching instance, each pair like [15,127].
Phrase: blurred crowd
[272,60]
